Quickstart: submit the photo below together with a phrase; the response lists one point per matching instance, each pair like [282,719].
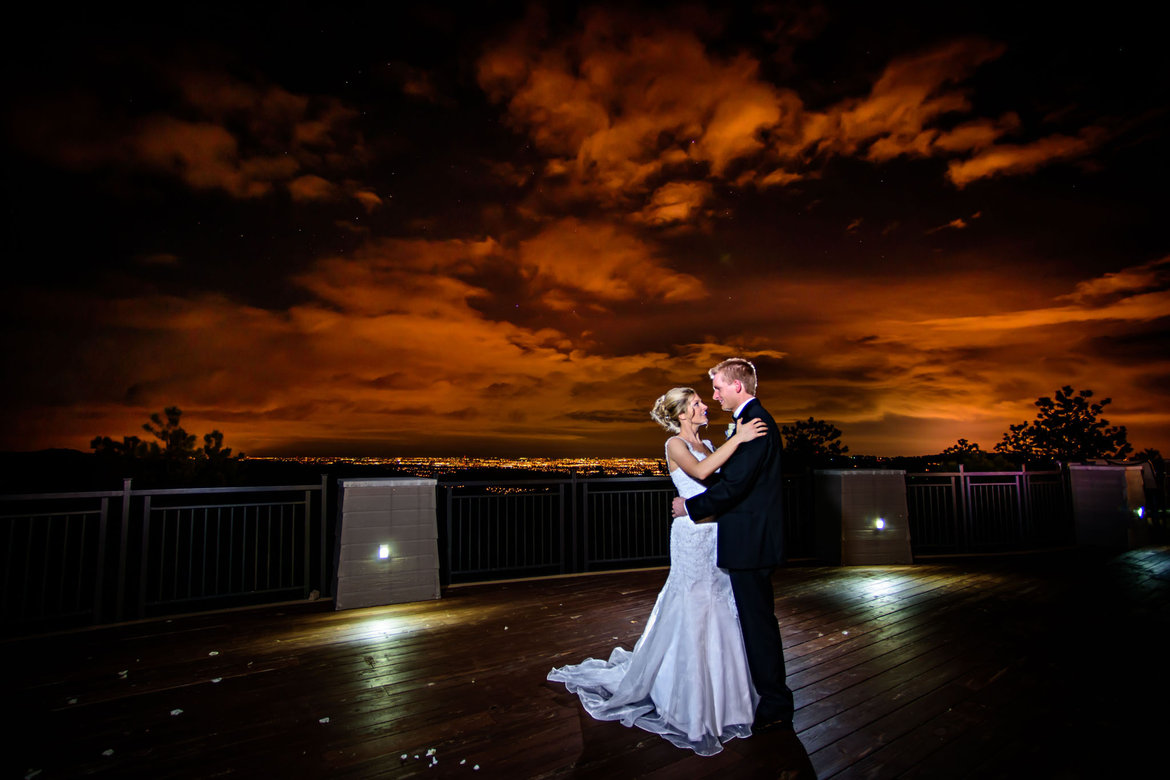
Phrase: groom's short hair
[737,370]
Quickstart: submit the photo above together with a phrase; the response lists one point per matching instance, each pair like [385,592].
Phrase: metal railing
[625,527]
[518,528]
[545,527]
[984,511]
[53,557]
[72,559]
[196,548]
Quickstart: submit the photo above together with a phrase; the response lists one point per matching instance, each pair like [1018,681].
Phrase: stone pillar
[387,545]
[861,517]
[1102,511]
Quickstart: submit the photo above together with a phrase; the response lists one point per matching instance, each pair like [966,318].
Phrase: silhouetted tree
[812,442]
[213,448]
[963,447]
[1067,428]
[174,454]
[972,457]
[130,447]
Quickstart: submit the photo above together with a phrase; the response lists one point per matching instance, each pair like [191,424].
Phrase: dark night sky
[373,230]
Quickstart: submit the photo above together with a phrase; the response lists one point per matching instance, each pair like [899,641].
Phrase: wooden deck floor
[1030,666]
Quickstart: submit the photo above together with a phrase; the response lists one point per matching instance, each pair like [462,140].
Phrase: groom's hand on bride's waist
[678,507]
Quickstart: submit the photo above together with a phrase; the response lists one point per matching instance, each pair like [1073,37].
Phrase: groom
[746,503]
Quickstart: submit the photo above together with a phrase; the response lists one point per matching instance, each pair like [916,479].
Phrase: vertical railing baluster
[256,550]
[267,547]
[44,567]
[191,552]
[586,530]
[145,555]
[447,489]
[123,551]
[164,533]
[969,516]
[11,567]
[63,563]
[326,586]
[100,568]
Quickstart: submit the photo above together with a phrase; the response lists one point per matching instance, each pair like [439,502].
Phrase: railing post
[561,525]
[575,531]
[326,579]
[145,556]
[581,529]
[120,604]
[450,536]
[1022,505]
[307,588]
[99,576]
[1029,505]
[962,513]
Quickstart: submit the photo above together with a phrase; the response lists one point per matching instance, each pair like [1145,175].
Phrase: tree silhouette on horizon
[1067,428]
[174,454]
[812,442]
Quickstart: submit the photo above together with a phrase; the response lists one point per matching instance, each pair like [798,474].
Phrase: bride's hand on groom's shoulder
[746,430]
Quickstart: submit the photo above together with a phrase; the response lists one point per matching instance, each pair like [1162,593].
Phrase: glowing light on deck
[876,589]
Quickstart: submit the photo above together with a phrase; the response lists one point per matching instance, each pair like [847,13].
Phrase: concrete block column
[861,517]
[1105,499]
[387,551]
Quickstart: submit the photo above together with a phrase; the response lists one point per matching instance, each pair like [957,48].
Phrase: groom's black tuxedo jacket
[746,500]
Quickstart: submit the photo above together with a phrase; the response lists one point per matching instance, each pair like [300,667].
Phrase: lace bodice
[692,546]
[687,485]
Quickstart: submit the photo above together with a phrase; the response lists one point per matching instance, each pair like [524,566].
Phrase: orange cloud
[912,93]
[369,200]
[1022,158]
[232,136]
[778,177]
[925,361]
[401,276]
[976,134]
[1147,306]
[620,117]
[219,96]
[625,110]
[392,343]
[311,187]
[675,202]
[1148,276]
[206,156]
[954,224]
[603,261]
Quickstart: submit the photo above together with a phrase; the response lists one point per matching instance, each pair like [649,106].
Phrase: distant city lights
[438,467]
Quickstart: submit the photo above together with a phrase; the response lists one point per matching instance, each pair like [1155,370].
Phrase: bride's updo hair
[669,407]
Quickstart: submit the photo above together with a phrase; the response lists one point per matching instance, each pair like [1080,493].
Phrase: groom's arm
[739,476]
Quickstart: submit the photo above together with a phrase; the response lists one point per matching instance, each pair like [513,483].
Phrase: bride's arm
[701,469]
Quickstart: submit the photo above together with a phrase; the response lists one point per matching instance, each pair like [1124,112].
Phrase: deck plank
[1018,666]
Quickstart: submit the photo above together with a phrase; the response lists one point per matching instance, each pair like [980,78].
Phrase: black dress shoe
[780,724]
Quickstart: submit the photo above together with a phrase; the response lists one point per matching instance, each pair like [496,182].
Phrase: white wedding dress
[687,677]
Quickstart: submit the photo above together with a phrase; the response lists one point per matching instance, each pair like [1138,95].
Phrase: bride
[687,677]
